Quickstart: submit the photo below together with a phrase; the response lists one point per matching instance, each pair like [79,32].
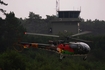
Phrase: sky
[90,9]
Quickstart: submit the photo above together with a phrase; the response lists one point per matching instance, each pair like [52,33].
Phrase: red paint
[65,47]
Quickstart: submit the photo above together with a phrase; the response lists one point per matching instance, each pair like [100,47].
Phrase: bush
[11,60]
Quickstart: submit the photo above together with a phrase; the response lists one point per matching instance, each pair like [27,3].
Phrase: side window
[80,46]
[73,45]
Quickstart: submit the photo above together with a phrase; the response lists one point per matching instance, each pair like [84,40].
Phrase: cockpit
[80,47]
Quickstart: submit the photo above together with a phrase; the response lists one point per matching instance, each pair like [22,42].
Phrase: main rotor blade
[82,33]
[41,34]
[35,44]
[80,40]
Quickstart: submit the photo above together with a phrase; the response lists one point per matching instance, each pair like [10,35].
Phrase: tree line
[35,23]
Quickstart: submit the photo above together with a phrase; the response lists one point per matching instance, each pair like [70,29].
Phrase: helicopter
[62,47]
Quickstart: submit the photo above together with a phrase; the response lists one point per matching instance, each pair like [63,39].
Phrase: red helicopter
[62,47]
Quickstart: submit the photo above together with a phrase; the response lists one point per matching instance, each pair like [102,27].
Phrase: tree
[10,31]
[1,2]
[2,10]
[12,60]
[34,16]
[50,18]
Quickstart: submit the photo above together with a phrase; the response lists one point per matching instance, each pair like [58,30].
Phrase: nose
[86,46]
[87,50]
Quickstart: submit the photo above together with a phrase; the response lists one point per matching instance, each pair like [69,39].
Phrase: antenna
[57,6]
[80,8]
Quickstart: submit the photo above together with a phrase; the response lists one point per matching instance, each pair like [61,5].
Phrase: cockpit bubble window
[85,45]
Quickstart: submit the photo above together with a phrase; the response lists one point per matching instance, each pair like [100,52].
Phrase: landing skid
[85,58]
[63,56]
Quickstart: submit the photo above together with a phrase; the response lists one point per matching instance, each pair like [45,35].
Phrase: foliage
[12,60]
[36,24]
[96,26]
[10,31]
[3,3]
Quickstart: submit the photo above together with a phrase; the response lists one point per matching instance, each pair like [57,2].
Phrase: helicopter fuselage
[73,48]
[64,49]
